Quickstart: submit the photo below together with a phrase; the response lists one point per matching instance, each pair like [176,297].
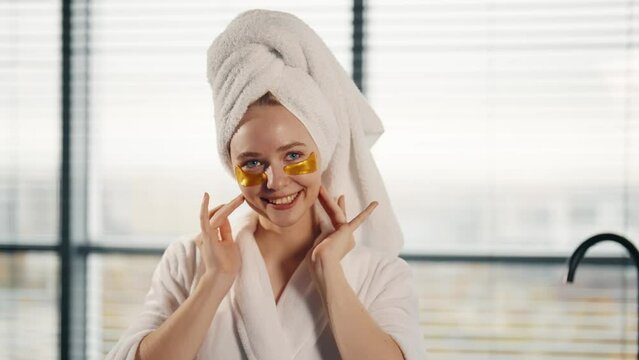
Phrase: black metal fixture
[579,253]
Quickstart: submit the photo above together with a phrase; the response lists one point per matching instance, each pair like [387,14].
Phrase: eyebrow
[248,154]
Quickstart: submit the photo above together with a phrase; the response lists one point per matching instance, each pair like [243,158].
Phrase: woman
[296,278]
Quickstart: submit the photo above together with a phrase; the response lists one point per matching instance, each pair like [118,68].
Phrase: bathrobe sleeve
[170,285]
[395,306]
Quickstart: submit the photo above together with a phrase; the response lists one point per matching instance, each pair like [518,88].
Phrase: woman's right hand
[220,253]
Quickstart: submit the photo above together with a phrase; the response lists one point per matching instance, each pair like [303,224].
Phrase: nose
[276,178]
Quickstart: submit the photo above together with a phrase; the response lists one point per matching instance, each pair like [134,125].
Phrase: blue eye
[251,164]
[298,155]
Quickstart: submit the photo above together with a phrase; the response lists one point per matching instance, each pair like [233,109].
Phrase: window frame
[73,246]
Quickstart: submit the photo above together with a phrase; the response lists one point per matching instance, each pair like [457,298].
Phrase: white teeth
[284,200]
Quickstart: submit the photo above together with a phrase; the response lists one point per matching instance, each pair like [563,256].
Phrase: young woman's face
[269,138]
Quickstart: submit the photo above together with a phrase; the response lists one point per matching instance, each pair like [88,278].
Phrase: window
[29,121]
[505,120]
[514,125]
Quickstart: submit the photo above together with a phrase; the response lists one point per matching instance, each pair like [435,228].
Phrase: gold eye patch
[303,167]
[249,179]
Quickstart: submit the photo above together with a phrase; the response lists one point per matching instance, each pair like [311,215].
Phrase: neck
[290,243]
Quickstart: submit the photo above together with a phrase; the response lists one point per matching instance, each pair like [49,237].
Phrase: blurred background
[512,134]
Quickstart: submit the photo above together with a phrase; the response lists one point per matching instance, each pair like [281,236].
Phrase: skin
[285,239]
[283,236]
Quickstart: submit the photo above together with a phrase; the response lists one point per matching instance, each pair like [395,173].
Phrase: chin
[284,222]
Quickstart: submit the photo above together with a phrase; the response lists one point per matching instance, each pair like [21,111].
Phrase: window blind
[29,315]
[29,120]
[515,124]
[502,311]
[517,120]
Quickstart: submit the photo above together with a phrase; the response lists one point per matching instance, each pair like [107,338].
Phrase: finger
[214,210]
[333,210]
[342,204]
[225,231]
[226,210]
[326,203]
[211,213]
[359,219]
[313,253]
[204,221]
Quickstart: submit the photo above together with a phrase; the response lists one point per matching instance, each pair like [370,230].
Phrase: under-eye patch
[249,179]
[303,167]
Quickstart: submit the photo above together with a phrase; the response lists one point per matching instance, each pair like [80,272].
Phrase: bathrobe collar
[268,330]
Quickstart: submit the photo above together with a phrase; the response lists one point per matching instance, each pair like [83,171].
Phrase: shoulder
[180,258]
[374,269]
[182,248]
[376,260]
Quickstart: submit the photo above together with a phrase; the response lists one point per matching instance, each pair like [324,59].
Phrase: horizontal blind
[29,120]
[506,311]
[117,287]
[515,124]
[151,110]
[29,314]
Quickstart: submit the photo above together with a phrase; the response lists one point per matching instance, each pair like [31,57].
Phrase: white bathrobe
[250,325]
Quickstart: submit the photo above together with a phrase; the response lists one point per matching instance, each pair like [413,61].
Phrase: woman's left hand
[333,248]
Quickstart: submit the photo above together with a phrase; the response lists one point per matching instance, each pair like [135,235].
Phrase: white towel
[264,50]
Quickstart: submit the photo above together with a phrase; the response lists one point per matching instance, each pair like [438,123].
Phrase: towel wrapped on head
[266,50]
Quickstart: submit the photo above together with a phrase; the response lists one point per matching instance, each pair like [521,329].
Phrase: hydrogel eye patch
[300,168]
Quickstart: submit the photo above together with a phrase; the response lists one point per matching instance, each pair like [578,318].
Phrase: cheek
[250,192]
[252,196]
[312,185]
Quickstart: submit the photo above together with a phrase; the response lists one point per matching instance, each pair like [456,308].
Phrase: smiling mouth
[283,200]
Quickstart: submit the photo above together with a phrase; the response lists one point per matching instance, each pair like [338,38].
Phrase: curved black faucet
[579,253]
